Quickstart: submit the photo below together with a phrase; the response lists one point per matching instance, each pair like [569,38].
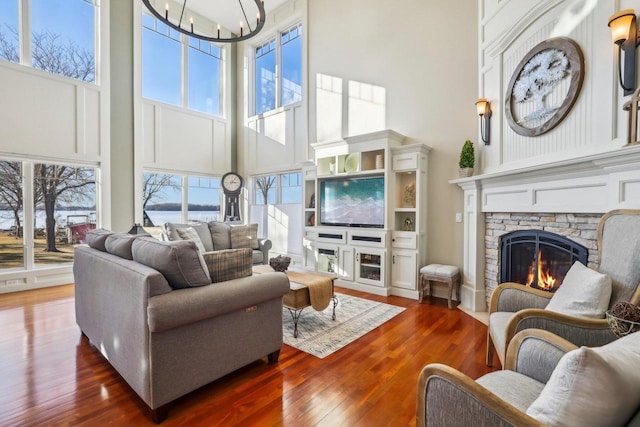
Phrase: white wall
[413,64]
[595,124]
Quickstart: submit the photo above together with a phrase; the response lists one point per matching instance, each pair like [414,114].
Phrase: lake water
[158,217]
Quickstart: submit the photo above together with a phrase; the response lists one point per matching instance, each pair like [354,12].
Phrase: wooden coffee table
[298,297]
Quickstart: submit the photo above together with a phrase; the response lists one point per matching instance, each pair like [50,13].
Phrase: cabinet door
[370,266]
[404,269]
[345,263]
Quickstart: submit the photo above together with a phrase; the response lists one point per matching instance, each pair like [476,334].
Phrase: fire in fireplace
[538,259]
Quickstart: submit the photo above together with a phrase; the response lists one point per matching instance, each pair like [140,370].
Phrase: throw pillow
[592,386]
[96,239]
[244,236]
[190,234]
[229,264]
[584,293]
[120,244]
[179,261]
[171,231]
[220,234]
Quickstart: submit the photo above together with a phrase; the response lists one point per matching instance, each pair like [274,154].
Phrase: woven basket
[621,327]
[280,263]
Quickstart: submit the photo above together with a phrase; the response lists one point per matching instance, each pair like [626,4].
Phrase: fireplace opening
[538,259]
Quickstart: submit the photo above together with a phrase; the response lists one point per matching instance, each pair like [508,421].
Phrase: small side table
[448,274]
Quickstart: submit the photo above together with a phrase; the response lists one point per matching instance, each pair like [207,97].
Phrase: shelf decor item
[467,159]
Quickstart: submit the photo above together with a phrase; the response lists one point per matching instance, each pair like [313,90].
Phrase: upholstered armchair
[546,381]
[514,307]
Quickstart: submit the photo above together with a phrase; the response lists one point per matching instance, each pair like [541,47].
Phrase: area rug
[321,336]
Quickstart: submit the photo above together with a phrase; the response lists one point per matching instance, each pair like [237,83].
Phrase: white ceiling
[228,12]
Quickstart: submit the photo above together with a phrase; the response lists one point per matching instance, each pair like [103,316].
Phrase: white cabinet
[380,257]
[403,269]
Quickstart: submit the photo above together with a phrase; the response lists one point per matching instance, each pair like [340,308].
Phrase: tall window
[175,64]
[273,90]
[284,188]
[62,36]
[63,211]
[163,196]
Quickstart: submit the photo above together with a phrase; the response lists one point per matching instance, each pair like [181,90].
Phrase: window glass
[161,63]
[9,48]
[291,89]
[161,199]
[204,77]
[204,199]
[63,37]
[65,209]
[11,216]
[291,188]
[265,84]
[266,190]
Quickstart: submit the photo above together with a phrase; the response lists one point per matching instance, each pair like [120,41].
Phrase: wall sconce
[626,36]
[484,111]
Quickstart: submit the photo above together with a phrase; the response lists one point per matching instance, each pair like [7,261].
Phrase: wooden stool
[448,274]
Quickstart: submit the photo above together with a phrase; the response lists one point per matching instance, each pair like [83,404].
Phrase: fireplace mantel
[595,183]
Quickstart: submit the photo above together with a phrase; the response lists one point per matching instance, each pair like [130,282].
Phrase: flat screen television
[352,202]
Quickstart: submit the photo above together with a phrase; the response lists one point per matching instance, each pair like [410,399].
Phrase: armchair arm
[514,297]
[535,353]
[264,246]
[577,330]
[440,387]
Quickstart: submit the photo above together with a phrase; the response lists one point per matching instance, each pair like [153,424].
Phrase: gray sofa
[216,236]
[166,338]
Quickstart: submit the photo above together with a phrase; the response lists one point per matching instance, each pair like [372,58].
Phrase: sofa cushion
[228,264]
[244,236]
[593,386]
[221,235]
[96,238]
[201,228]
[120,244]
[179,261]
[584,293]
[190,234]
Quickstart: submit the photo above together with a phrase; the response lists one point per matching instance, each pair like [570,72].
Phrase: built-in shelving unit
[384,259]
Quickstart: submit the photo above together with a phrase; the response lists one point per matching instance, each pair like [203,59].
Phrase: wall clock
[544,86]
[232,186]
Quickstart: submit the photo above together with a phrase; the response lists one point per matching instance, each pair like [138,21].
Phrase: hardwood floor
[50,375]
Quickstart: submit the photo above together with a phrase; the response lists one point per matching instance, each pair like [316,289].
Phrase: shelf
[405,209]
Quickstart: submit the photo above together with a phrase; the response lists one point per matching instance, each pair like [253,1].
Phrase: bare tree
[265,183]
[153,186]
[50,53]
[55,183]
[11,191]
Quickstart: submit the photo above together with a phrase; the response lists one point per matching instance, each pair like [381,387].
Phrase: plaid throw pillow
[244,236]
[229,264]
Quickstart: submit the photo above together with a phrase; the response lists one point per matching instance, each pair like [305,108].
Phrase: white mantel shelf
[588,184]
[595,183]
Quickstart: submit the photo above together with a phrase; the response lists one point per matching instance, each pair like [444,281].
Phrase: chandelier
[181,19]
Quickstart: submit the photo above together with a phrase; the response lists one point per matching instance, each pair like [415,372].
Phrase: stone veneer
[581,228]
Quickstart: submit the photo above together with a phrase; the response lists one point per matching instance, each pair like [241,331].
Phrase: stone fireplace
[566,198]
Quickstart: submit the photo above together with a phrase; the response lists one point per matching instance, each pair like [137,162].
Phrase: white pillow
[190,233]
[592,386]
[584,293]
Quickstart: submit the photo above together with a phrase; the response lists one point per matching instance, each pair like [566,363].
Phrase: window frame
[185,45]
[277,36]
[278,188]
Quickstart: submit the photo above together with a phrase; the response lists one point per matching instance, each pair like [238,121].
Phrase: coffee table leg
[295,315]
[335,303]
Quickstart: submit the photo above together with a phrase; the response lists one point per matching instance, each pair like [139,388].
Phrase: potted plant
[467,159]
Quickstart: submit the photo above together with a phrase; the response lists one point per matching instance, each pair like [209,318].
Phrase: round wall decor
[544,86]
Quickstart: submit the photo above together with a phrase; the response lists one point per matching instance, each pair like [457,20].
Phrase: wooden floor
[49,375]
